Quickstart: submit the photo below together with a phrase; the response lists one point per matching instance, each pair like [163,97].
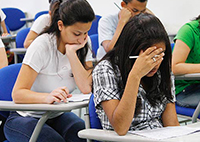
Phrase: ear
[60,25]
[123,4]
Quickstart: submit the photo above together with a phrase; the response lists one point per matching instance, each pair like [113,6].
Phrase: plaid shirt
[105,88]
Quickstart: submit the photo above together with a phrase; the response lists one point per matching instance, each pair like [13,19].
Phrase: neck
[61,46]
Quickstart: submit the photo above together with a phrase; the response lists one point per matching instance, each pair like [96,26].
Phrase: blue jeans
[189,97]
[59,129]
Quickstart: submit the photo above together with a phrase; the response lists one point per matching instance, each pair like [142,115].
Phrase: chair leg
[40,124]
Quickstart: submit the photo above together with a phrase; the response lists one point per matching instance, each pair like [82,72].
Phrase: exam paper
[79,97]
[166,132]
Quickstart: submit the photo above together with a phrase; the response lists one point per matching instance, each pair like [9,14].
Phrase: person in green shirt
[185,60]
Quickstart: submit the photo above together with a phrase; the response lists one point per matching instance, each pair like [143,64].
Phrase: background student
[111,26]
[39,25]
[136,94]
[54,64]
[3,25]
[3,55]
[185,60]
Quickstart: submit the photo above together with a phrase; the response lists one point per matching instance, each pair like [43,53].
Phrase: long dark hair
[140,33]
[70,12]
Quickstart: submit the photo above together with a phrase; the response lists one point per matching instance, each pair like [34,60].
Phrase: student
[3,25]
[185,60]
[111,26]
[54,64]
[3,55]
[135,94]
[39,25]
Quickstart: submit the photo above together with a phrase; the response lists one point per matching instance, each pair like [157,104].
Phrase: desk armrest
[193,76]
[63,107]
[112,136]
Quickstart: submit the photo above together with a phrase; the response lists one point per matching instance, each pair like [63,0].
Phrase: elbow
[174,70]
[15,96]
[26,45]
[121,132]
[86,89]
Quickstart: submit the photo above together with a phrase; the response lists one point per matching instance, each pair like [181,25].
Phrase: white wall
[173,13]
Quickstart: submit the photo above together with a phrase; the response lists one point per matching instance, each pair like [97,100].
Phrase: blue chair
[188,114]
[21,36]
[94,120]
[20,50]
[13,16]
[40,13]
[94,27]
[8,77]
[95,44]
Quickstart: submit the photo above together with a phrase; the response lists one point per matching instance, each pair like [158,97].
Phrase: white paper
[79,97]
[166,132]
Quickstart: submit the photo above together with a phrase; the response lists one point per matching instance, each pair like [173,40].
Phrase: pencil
[117,6]
[133,57]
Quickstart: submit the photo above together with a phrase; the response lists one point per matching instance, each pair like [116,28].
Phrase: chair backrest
[184,110]
[40,13]
[8,77]
[13,16]
[95,43]
[8,29]
[21,36]
[94,27]
[94,120]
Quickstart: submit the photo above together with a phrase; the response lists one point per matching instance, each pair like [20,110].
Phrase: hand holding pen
[147,60]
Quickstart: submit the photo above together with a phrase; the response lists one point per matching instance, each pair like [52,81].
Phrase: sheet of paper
[166,132]
[79,97]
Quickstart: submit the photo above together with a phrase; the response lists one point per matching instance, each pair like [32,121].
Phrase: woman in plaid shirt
[136,93]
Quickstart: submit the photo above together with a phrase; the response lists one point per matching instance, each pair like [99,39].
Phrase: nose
[82,38]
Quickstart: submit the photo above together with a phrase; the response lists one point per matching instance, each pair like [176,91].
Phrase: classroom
[99,70]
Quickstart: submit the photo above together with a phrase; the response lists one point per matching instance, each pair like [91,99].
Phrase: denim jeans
[189,97]
[59,129]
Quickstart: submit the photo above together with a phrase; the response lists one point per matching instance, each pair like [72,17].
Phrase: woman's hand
[74,47]
[58,95]
[147,60]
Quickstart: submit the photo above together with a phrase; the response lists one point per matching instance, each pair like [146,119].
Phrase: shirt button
[64,68]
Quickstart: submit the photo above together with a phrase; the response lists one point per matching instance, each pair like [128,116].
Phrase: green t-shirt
[190,35]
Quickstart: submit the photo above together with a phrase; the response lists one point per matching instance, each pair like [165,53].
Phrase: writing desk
[193,76]
[27,19]
[9,38]
[106,135]
[51,109]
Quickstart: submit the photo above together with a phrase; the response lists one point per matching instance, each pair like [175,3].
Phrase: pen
[117,5]
[133,57]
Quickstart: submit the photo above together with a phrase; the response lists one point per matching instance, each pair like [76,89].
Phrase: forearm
[4,27]
[124,113]
[116,35]
[81,75]
[3,58]
[185,68]
[26,96]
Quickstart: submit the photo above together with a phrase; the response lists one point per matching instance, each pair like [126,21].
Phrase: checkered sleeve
[104,83]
